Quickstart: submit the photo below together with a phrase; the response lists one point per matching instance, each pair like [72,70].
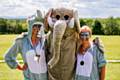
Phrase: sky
[86,8]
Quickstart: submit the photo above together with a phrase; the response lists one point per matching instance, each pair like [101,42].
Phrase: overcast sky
[86,8]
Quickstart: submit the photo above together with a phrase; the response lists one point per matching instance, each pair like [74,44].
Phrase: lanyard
[37,56]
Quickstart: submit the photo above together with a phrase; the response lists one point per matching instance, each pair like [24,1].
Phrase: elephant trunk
[58,32]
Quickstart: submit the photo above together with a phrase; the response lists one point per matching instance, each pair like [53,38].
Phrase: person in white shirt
[90,59]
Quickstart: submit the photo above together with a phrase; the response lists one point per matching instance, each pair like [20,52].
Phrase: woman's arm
[101,61]
[102,73]
[11,54]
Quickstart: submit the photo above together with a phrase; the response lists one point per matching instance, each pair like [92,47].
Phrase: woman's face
[36,29]
[84,37]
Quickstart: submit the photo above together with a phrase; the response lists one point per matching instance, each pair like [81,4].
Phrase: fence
[109,61]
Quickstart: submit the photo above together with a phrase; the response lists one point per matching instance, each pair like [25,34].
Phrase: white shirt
[34,65]
[84,70]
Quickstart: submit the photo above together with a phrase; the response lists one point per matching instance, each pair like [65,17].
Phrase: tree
[89,22]
[3,26]
[82,22]
[97,28]
[112,27]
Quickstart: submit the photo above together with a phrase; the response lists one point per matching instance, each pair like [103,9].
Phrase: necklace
[83,50]
[82,61]
[37,56]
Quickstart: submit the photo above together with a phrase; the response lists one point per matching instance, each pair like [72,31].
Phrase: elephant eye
[66,17]
[57,17]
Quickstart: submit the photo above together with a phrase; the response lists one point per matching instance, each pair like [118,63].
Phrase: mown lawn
[112,47]
[8,74]
[5,42]
[112,72]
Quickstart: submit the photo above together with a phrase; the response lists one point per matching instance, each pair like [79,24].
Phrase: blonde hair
[86,29]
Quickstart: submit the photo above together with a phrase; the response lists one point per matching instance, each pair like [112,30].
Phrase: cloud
[86,8]
[99,8]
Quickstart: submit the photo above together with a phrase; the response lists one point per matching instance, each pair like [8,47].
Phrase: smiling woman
[91,62]
[31,48]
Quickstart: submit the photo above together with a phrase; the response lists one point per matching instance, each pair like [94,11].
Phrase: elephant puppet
[62,42]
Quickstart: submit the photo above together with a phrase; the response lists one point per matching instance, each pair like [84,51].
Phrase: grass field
[8,74]
[5,42]
[112,47]
[112,72]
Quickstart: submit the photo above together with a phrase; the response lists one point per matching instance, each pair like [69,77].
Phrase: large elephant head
[58,21]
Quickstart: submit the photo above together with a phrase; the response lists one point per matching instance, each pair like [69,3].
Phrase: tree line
[12,26]
[103,26]
[99,26]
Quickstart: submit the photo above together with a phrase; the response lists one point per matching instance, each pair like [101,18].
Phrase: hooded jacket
[22,45]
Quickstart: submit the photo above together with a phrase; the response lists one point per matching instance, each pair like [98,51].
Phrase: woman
[31,48]
[90,60]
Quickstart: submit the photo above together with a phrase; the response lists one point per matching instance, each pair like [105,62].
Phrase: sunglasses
[84,35]
[37,25]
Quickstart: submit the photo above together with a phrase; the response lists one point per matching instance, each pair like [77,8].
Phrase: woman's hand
[22,68]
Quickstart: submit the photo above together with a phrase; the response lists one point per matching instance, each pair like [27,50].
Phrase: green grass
[112,46]
[5,43]
[112,72]
[9,74]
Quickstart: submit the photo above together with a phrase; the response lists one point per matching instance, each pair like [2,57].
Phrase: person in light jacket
[90,58]
[31,47]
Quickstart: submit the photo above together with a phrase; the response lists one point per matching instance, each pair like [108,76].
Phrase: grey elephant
[61,46]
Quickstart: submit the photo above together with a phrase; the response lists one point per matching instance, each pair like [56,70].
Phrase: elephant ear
[77,22]
[46,24]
